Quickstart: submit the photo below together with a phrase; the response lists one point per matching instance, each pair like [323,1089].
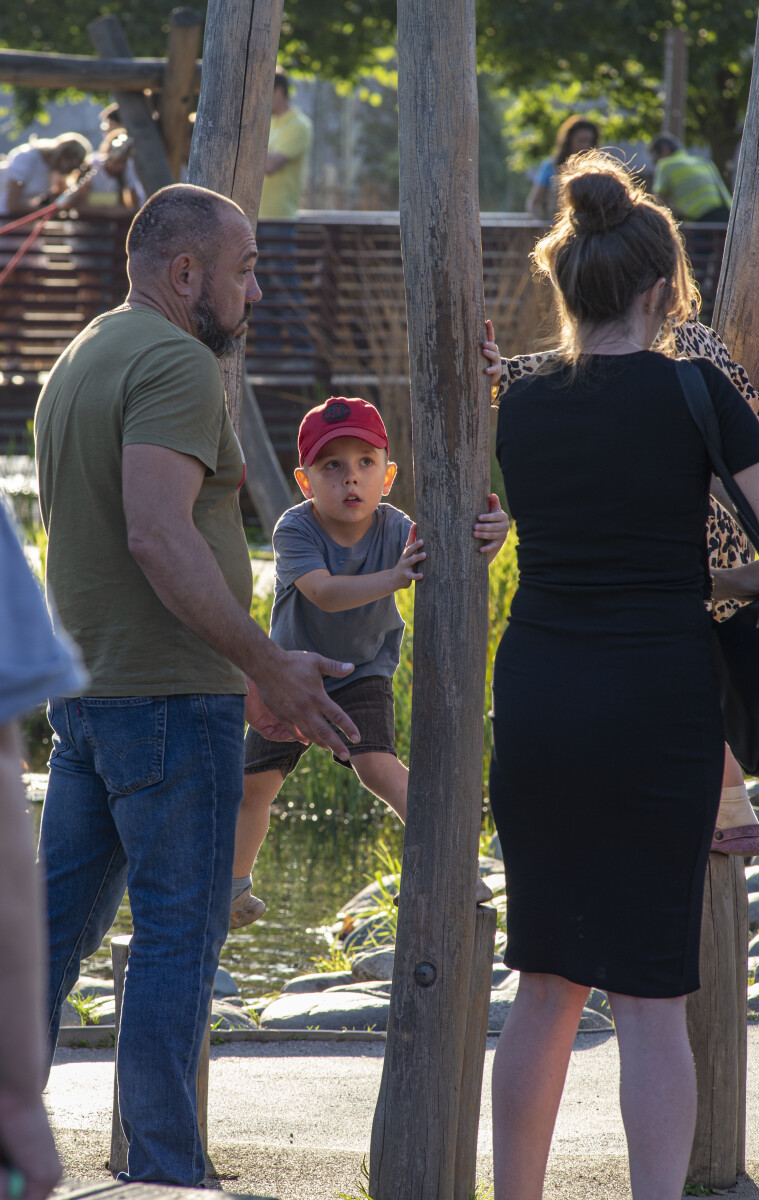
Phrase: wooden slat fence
[332,318]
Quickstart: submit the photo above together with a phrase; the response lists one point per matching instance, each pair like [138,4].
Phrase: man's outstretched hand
[291,703]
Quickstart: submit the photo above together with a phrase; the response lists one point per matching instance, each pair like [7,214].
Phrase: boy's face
[346,482]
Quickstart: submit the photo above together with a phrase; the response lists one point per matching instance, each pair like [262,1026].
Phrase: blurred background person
[575,135]
[289,143]
[39,169]
[691,186]
[34,663]
[113,184]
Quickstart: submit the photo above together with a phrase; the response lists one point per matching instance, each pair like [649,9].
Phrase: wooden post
[717,1014]
[736,308]
[675,82]
[117,1159]
[478,1015]
[265,480]
[178,96]
[415,1136]
[232,125]
[150,159]
[717,1028]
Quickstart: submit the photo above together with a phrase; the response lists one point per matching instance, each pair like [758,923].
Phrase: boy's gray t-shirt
[368,636]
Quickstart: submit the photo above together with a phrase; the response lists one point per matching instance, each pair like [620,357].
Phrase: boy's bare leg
[385,776]
[259,790]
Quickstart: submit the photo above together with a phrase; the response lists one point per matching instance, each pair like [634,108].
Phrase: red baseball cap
[340,416]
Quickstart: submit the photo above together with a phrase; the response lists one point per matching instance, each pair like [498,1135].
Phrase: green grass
[84,1006]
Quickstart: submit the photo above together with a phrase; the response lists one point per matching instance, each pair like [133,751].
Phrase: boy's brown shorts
[367,701]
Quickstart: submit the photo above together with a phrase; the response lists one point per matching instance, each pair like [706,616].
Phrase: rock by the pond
[317,982]
[91,985]
[369,897]
[101,1012]
[500,974]
[373,987]
[753,912]
[496,881]
[592,1020]
[373,964]
[753,998]
[753,970]
[226,1015]
[500,941]
[752,879]
[376,930]
[224,984]
[489,864]
[753,947]
[326,1010]
[495,847]
[599,1002]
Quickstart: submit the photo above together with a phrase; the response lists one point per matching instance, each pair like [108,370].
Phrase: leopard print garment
[727,545]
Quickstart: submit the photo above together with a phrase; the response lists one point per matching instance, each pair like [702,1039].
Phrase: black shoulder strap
[702,411]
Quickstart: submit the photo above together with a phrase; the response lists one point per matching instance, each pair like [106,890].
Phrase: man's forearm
[180,567]
[21,1027]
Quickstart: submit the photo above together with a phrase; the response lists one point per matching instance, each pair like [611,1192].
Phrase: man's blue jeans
[144,794]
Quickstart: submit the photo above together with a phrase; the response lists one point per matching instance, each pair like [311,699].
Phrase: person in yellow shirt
[289,144]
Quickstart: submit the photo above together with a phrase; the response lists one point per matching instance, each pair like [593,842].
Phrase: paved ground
[292,1121]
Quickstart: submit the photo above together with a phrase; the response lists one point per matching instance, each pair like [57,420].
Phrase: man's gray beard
[218,339]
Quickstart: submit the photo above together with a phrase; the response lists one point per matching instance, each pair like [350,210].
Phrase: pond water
[307,869]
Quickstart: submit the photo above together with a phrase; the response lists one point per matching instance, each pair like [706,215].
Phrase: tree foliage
[553,56]
[558,57]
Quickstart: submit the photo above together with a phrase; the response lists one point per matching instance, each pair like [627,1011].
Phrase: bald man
[139,468]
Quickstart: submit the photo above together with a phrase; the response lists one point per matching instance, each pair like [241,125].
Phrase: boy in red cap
[339,558]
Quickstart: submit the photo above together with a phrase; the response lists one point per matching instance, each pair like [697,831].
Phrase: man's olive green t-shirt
[132,377]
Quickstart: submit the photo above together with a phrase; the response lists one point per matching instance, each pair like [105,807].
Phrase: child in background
[339,558]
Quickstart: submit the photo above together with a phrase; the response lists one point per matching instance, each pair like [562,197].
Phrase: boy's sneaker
[246,908]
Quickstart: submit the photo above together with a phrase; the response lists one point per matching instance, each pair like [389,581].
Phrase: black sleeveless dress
[608,740]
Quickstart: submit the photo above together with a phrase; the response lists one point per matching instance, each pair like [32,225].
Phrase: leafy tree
[553,56]
[559,57]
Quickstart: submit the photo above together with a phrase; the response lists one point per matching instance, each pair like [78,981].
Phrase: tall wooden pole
[229,155]
[675,82]
[415,1135]
[736,308]
[178,95]
[717,1013]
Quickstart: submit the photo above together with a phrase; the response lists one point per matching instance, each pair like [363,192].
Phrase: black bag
[737,638]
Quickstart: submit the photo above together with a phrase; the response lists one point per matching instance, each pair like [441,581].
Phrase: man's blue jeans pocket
[127,737]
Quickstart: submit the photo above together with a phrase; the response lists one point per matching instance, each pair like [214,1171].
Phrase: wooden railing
[332,317]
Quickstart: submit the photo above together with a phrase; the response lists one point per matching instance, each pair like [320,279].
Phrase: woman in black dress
[608,741]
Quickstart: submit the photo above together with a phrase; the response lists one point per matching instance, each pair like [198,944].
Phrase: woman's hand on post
[491,352]
[492,528]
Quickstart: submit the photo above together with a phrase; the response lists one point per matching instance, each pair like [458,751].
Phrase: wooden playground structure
[425,1130]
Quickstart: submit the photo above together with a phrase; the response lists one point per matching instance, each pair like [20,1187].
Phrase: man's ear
[186,276]
[302,481]
[391,471]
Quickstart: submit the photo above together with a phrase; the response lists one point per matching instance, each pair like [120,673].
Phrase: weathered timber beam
[150,159]
[23,68]
[232,133]
[736,308]
[424,1134]
[178,96]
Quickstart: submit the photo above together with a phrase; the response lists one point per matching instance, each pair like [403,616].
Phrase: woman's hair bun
[596,197]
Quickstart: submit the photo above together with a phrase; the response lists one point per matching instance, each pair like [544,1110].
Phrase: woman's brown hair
[609,243]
